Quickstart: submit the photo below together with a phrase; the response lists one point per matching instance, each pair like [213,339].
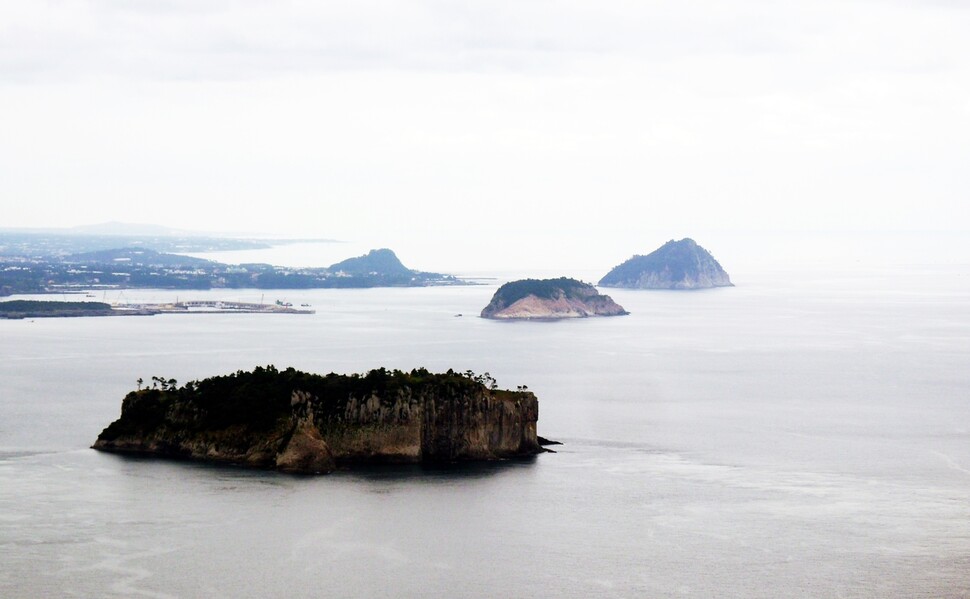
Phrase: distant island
[144,268]
[675,265]
[549,299]
[307,423]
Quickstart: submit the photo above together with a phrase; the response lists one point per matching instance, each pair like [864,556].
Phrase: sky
[496,133]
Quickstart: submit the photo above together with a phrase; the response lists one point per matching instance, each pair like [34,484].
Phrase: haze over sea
[806,433]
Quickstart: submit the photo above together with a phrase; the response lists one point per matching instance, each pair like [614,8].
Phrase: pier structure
[216,307]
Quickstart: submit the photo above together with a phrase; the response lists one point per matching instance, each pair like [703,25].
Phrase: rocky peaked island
[549,299]
[675,265]
[298,422]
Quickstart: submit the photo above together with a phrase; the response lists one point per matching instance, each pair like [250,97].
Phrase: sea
[803,434]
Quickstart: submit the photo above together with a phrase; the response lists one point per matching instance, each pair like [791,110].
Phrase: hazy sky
[468,130]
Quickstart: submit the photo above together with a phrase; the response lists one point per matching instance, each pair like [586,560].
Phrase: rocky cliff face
[675,265]
[470,424]
[398,418]
[549,299]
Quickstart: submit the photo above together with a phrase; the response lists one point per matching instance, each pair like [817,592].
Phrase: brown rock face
[306,451]
[440,427]
[532,307]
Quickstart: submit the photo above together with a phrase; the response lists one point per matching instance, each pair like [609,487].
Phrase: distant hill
[675,265]
[57,243]
[382,262]
[549,299]
[128,229]
[137,256]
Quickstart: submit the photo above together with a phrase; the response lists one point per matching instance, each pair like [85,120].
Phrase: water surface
[793,436]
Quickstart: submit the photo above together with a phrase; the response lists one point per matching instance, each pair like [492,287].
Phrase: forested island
[295,421]
[675,265]
[549,299]
[16,309]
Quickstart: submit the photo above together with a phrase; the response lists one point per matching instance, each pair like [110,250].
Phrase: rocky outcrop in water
[549,299]
[675,265]
[298,422]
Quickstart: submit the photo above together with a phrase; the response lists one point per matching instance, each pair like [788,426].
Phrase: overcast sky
[464,131]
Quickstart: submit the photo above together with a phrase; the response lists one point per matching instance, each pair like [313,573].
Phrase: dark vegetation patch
[257,399]
[35,308]
[510,293]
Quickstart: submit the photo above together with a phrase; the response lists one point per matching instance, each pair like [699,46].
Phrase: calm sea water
[800,435]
